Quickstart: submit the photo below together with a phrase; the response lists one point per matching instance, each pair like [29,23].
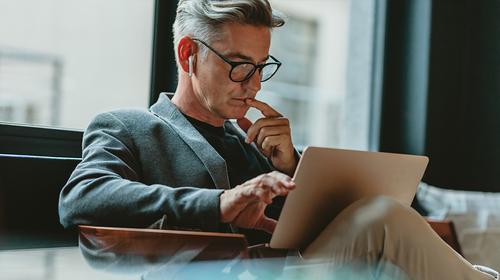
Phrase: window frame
[164,68]
[26,139]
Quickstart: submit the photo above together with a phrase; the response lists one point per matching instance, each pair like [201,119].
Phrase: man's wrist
[290,170]
[222,205]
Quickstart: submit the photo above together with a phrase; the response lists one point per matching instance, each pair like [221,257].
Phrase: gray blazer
[139,165]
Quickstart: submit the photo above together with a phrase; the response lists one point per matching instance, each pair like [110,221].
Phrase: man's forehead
[242,56]
[245,42]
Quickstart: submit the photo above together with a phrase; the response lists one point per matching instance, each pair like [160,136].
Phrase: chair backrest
[29,194]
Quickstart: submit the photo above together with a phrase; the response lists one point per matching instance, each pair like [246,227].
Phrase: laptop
[328,180]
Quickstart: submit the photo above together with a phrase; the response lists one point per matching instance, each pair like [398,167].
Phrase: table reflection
[156,254]
[145,254]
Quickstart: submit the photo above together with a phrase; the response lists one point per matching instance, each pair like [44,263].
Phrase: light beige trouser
[382,234]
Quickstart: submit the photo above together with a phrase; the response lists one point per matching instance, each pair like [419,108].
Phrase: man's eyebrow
[244,57]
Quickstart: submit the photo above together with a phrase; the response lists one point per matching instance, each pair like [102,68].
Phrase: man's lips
[241,99]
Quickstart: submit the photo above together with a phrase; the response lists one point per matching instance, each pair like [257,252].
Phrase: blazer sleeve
[105,187]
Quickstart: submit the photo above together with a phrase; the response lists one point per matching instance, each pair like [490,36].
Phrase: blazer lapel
[214,163]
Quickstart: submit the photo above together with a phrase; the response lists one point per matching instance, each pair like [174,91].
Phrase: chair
[446,230]
[157,243]
[29,195]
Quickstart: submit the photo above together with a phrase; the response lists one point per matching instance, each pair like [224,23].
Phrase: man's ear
[186,48]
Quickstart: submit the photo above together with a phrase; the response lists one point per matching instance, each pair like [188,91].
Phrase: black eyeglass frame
[235,64]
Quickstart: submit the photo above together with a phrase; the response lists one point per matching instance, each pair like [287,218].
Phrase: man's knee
[383,212]
[363,229]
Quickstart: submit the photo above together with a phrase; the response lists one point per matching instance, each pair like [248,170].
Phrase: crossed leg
[388,238]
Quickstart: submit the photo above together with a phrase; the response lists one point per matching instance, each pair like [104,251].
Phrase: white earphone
[190,62]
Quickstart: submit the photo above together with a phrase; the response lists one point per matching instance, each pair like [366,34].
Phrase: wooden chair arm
[153,243]
[446,230]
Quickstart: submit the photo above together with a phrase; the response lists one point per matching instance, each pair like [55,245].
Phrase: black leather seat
[29,194]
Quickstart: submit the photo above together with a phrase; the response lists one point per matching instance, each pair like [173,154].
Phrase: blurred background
[407,76]
[62,62]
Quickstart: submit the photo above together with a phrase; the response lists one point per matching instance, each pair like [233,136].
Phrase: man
[182,162]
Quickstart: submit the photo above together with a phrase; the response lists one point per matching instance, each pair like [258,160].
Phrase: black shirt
[242,165]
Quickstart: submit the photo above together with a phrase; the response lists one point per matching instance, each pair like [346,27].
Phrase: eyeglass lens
[244,71]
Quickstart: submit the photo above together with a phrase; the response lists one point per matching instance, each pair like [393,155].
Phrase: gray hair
[203,19]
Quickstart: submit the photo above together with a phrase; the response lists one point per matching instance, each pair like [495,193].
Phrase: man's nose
[254,82]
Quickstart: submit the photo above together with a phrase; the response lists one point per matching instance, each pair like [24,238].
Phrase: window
[63,61]
[324,85]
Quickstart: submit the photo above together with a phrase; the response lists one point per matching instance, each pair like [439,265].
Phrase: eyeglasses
[243,71]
